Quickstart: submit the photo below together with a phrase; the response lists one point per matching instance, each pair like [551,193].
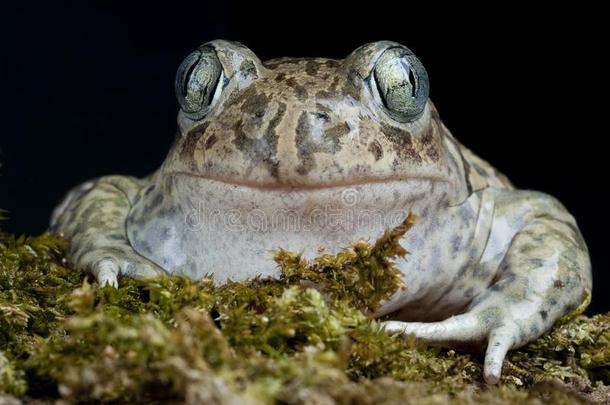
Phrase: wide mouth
[300,185]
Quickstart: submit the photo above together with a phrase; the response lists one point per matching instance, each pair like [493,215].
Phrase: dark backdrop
[87,90]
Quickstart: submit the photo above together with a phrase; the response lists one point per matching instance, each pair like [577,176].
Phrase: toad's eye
[401,82]
[198,82]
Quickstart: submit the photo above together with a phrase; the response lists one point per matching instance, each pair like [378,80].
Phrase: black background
[87,90]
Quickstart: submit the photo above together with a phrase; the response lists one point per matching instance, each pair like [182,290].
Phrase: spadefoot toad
[311,153]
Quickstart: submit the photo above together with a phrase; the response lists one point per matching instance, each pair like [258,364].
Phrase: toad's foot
[108,263]
[93,218]
[476,328]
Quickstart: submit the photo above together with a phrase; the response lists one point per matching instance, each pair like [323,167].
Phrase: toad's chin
[196,226]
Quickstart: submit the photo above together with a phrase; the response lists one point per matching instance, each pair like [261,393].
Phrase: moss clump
[361,275]
[303,338]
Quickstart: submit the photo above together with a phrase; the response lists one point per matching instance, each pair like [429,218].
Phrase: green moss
[303,338]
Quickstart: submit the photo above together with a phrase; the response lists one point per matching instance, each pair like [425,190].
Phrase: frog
[308,154]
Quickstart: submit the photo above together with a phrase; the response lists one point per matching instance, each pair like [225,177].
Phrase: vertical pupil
[413,82]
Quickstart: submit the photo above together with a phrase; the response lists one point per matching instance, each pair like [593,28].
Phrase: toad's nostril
[321,116]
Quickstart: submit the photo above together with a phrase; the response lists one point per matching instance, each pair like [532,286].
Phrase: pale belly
[230,231]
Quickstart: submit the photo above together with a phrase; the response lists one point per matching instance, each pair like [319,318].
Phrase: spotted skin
[302,154]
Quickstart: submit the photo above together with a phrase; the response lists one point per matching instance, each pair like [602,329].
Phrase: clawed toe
[106,272]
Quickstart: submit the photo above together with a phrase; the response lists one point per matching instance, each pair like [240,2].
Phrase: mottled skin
[301,153]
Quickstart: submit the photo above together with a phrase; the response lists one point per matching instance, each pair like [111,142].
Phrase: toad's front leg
[92,217]
[542,273]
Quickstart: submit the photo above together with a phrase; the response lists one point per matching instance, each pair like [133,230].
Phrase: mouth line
[273,186]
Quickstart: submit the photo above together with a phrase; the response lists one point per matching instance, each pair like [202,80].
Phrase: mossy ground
[304,338]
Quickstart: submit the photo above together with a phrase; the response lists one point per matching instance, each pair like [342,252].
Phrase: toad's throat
[194,225]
